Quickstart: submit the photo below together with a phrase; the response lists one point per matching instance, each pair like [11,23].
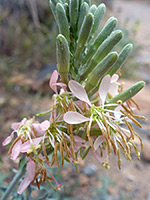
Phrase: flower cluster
[91,112]
[75,124]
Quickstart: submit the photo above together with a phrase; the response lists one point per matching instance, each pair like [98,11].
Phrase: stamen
[101,152]
[44,151]
[139,116]
[53,159]
[124,141]
[65,146]
[37,184]
[107,141]
[137,135]
[106,125]
[64,106]
[89,138]
[56,154]
[136,150]
[113,145]
[72,106]
[119,160]
[130,117]
[129,127]
[135,103]
[62,153]
[124,107]
[122,147]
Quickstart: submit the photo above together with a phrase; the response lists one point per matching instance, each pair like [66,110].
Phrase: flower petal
[114,78]
[31,168]
[53,80]
[97,156]
[74,118]
[8,139]
[27,145]
[45,125]
[16,125]
[78,91]
[24,184]
[113,89]
[98,142]
[16,150]
[104,87]
[78,139]
[63,85]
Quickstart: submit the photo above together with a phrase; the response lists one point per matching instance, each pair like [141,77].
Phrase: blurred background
[27,59]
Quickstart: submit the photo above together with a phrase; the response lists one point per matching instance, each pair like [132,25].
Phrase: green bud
[127,94]
[95,76]
[62,21]
[122,57]
[84,34]
[102,51]
[106,31]
[83,12]
[73,13]
[63,57]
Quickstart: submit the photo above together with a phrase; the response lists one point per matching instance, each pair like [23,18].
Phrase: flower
[110,134]
[27,136]
[53,82]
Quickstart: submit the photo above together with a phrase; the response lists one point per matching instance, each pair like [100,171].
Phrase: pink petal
[31,168]
[97,156]
[37,131]
[24,184]
[8,139]
[104,87]
[16,150]
[78,139]
[114,78]
[53,80]
[16,125]
[63,85]
[113,89]
[45,125]
[118,114]
[27,145]
[98,141]
[74,118]
[78,146]
[78,91]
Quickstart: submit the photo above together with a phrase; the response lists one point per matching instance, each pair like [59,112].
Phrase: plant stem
[13,183]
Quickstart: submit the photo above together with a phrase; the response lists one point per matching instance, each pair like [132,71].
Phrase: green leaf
[101,52]
[63,57]
[84,34]
[63,24]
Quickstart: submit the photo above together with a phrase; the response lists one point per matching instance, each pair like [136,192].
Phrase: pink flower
[53,82]
[26,129]
[40,128]
[31,169]
[15,127]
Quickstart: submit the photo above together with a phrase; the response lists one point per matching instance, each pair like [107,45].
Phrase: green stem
[13,183]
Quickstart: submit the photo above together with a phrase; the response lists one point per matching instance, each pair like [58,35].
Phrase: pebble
[90,170]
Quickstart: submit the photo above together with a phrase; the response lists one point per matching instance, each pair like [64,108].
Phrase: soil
[132,181]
